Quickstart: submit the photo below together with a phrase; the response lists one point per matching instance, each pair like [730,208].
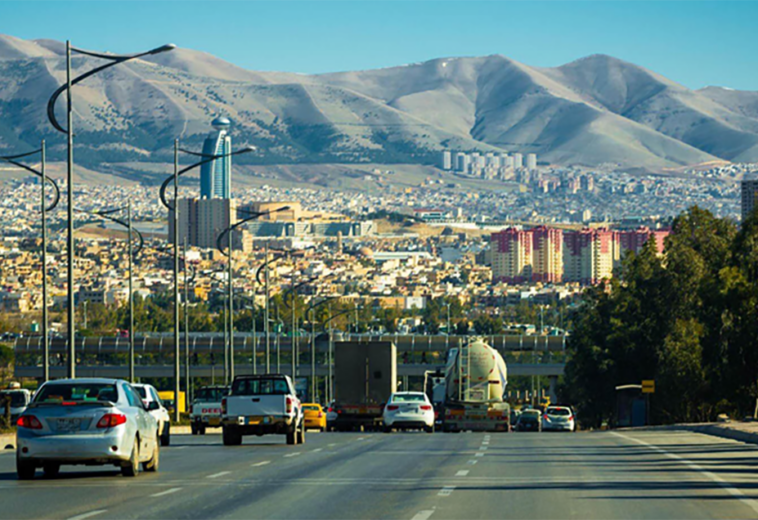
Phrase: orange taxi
[314,416]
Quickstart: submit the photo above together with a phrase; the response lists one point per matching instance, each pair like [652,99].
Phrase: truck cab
[262,405]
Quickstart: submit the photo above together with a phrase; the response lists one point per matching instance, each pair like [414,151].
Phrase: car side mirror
[153,405]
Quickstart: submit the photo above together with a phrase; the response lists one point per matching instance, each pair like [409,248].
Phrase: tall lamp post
[312,311]
[113,59]
[131,252]
[44,179]
[230,287]
[173,207]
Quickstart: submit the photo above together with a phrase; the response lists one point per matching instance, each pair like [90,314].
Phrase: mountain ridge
[596,109]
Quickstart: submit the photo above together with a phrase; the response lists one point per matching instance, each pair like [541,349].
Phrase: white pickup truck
[262,405]
[206,408]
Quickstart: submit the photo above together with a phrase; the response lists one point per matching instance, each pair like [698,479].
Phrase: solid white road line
[87,515]
[462,473]
[694,467]
[216,475]
[446,491]
[293,454]
[423,515]
[258,464]
[167,492]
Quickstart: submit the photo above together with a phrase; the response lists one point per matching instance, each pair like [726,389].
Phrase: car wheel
[301,435]
[201,429]
[51,469]
[429,429]
[25,469]
[231,436]
[154,462]
[131,468]
[387,429]
[166,437]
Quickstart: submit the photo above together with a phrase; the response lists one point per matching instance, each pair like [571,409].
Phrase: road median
[738,431]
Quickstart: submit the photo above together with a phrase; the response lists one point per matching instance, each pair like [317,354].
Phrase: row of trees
[687,319]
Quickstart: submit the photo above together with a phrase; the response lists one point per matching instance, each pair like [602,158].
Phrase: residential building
[511,256]
[547,254]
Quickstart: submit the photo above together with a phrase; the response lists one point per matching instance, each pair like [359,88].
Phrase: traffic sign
[648,386]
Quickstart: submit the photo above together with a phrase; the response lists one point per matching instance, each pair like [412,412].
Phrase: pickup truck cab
[262,405]
[206,408]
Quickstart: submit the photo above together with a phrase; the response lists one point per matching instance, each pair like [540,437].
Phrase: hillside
[595,110]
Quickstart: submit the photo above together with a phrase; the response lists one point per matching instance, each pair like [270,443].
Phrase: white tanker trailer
[475,380]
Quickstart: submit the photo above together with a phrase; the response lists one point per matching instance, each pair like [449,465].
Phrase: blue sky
[694,43]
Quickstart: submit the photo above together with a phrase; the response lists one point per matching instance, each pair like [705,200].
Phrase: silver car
[86,421]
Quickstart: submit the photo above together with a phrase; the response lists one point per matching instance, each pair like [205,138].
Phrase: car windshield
[558,411]
[210,394]
[530,414]
[260,387]
[17,398]
[407,398]
[312,407]
[77,393]
[142,391]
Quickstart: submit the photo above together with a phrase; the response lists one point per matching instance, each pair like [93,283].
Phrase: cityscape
[399,265]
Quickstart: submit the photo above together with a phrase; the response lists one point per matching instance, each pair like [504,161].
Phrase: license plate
[253,420]
[68,425]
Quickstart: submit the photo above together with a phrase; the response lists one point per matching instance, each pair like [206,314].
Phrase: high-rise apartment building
[547,254]
[201,221]
[749,194]
[633,240]
[447,160]
[518,160]
[531,161]
[589,255]
[216,176]
[511,251]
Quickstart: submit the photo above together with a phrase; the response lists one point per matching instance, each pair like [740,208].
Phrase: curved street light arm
[208,159]
[253,216]
[106,214]
[12,160]
[114,60]
[258,274]
[319,303]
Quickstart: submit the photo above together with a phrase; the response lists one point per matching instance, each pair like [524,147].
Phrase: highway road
[641,474]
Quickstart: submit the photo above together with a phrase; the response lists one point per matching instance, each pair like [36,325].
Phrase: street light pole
[175,224]
[131,291]
[230,297]
[266,318]
[45,338]
[187,381]
[70,216]
[313,355]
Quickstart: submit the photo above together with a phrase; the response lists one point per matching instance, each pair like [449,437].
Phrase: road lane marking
[217,475]
[423,515]
[167,492]
[87,515]
[331,445]
[317,450]
[174,448]
[483,448]
[693,466]
[480,454]
[472,462]
[258,464]
[293,454]
[446,491]
[462,473]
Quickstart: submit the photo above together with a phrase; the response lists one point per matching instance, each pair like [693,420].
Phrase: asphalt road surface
[411,476]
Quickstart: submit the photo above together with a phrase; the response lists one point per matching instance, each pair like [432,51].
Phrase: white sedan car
[558,418]
[155,407]
[408,410]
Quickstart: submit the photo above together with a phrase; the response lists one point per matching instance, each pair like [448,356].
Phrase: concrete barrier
[7,439]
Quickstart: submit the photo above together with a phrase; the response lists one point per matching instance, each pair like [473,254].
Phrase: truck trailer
[475,380]
[365,378]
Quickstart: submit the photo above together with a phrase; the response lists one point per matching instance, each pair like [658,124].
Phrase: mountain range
[596,110]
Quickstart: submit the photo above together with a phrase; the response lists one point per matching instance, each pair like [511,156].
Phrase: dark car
[529,421]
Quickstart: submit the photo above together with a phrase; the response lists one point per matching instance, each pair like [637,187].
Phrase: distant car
[314,417]
[86,421]
[206,408]
[157,409]
[529,421]
[408,410]
[331,416]
[20,398]
[558,418]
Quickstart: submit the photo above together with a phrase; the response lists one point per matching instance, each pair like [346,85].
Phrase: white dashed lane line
[462,473]
[87,515]
[293,454]
[472,462]
[263,463]
[216,475]
[480,454]
[167,492]
[423,515]
[446,491]
[317,450]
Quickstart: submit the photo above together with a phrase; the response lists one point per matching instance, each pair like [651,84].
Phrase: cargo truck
[365,378]
[475,381]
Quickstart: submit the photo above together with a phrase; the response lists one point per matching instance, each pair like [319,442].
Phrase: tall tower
[216,176]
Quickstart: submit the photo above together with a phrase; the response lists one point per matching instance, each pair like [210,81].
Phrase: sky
[694,43]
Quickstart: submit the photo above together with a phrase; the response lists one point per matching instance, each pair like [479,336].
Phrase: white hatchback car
[558,418]
[408,410]
[155,407]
